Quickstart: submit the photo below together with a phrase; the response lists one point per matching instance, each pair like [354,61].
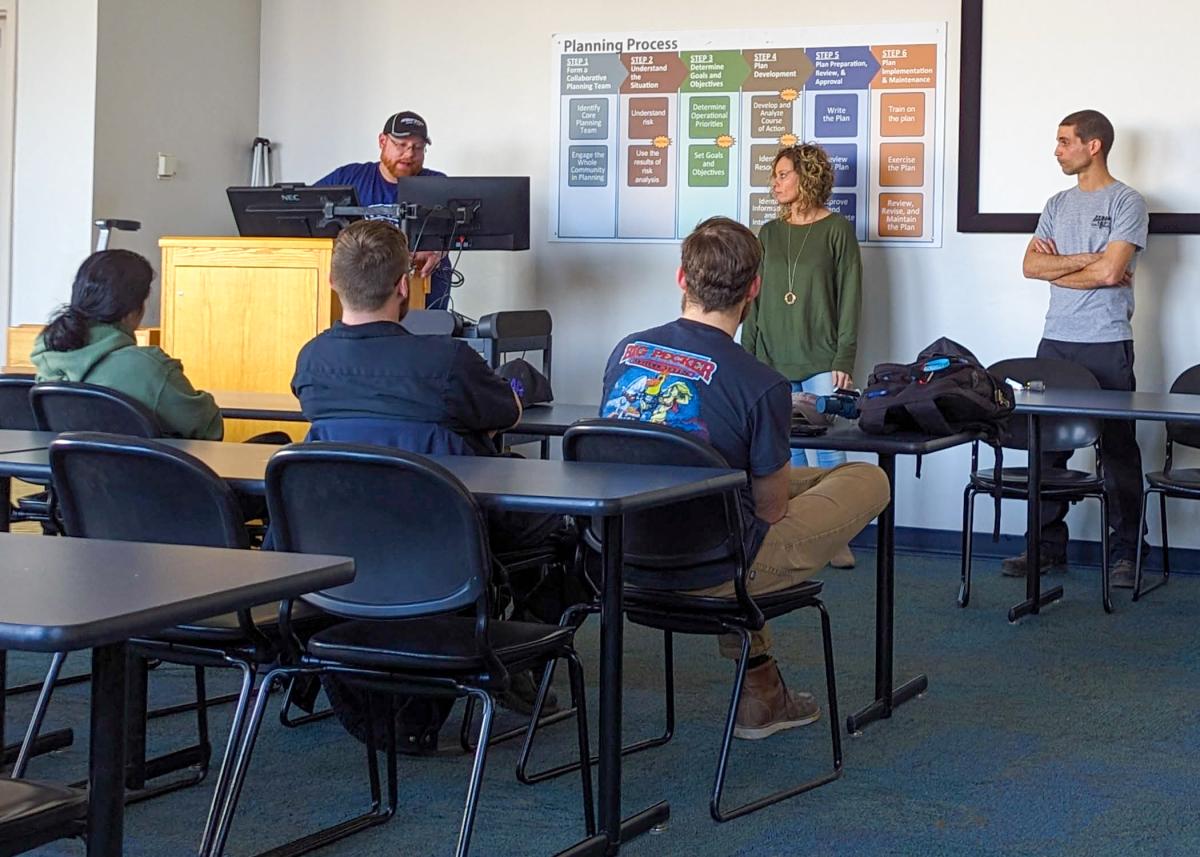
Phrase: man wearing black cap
[402,144]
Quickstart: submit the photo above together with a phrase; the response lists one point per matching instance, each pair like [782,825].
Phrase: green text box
[708,116]
[708,166]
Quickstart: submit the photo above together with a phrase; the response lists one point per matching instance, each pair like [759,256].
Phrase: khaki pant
[826,509]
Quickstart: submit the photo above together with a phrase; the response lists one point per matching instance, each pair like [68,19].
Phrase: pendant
[789,298]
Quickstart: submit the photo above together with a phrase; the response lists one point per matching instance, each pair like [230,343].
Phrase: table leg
[5,503]
[106,764]
[613,831]
[887,698]
[1035,599]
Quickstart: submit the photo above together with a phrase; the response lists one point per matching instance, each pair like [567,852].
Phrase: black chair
[15,410]
[653,562]
[33,814]
[131,489]
[69,406]
[1182,483]
[421,606]
[1058,434]
[17,413]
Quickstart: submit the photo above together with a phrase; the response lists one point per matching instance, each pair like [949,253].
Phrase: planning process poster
[657,131]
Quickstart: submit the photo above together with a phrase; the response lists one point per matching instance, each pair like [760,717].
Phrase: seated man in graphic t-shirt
[691,375]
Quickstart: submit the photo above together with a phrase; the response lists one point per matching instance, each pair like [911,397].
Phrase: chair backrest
[1059,434]
[409,435]
[672,538]
[1187,434]
[416,534]
[15,410]
[131,489]
[71,406]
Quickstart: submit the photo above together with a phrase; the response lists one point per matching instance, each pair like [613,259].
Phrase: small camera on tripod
[841,403]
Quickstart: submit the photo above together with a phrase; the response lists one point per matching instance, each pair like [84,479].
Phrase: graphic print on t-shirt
[660,386]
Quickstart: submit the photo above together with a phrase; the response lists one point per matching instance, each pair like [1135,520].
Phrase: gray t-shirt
[1084,222]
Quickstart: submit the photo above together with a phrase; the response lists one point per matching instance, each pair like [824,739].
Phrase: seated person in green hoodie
[91,340]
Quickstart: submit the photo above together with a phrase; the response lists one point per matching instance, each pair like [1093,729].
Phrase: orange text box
[905,67]
[901,215]
[902,114]
[901,164]
[647,118]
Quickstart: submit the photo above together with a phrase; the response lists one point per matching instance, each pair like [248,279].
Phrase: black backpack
[945,391]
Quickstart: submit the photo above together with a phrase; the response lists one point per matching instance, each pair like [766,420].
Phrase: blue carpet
[1070,733]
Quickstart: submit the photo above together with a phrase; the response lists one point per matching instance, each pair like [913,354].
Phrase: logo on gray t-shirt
[1084,222]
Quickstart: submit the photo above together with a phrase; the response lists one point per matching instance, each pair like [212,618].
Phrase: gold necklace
[792,264]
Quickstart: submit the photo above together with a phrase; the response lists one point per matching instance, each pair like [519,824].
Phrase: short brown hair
[720,261]
[1092,125]
[369,258]
[813,169]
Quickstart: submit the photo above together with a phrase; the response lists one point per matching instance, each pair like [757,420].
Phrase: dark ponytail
[109,285]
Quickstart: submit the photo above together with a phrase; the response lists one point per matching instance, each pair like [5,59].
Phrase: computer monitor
[288,210]
[467,213]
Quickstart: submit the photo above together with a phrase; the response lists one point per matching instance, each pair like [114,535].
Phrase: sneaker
[1120,574]
[767,706]
[522,694]
[1015,566]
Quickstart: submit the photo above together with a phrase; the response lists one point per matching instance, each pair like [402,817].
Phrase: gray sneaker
[1121,574]
[1015,566]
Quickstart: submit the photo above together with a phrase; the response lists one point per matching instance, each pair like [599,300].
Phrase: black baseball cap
[407,124]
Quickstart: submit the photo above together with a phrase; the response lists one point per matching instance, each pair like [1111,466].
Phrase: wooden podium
[236,311]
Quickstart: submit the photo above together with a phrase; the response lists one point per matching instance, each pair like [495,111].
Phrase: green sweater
[819,332]
[112,358]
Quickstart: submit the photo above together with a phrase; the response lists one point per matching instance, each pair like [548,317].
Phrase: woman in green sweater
[91,340]
[804,322]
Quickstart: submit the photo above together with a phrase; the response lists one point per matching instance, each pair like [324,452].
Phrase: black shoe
[522,693]
[1121,574]
[1016,566]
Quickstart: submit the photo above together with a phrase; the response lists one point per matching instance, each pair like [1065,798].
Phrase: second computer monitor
[496,211]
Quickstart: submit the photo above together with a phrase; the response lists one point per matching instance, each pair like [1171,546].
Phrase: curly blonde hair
[814,171]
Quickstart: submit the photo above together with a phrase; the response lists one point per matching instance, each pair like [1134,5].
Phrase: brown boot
[844,558]
[767,706]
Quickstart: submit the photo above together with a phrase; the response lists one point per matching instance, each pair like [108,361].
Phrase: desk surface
[133,589]
[259,406]
[18,440]
[546,420]
[556,487]
[1111,404]
[846,436]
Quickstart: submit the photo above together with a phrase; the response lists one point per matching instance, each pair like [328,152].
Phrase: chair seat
[444,644]
[710,614]
[224,630]
[32,813]
[1054,479]
[1184,480]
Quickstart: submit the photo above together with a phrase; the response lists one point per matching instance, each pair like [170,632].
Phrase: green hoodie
[112,358]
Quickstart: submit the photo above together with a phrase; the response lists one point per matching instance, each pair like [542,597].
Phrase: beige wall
[52,157]
[102,87]
[180,78]
[484,85]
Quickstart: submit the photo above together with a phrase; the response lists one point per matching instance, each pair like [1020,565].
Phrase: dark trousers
[1112,364]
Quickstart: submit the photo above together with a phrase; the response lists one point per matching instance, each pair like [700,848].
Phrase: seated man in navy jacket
[368,380]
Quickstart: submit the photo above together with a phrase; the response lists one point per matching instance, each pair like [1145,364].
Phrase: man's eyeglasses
[413,146]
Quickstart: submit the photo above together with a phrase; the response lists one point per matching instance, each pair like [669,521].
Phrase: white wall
[180,78]
[8,73]
[52,158]
[482,80]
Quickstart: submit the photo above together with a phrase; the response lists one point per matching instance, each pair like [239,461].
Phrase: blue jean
[819,385]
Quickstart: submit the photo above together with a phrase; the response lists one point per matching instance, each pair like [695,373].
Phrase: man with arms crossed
[1086,246]
[690,374]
